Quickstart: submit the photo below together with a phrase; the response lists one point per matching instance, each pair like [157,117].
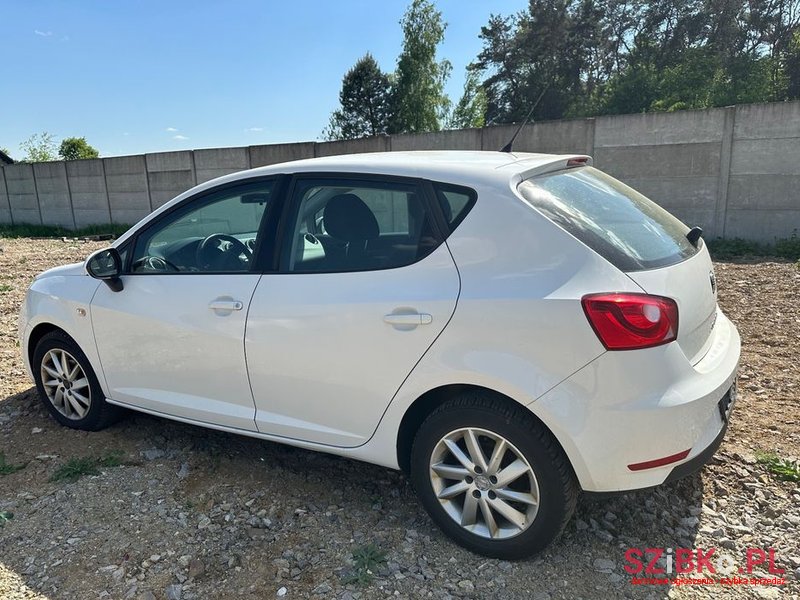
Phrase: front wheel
[68,385]
[492,477]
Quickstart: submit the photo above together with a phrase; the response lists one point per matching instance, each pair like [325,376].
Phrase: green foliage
[40,147]
[788,248]
[591,57]
[366,561]
[418,99]
[364,102]
[22,230]
[76,468]
[4,287]
[470,110]
[780,467]
[76,148]
[5,468]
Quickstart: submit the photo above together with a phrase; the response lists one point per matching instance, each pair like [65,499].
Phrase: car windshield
[623,226]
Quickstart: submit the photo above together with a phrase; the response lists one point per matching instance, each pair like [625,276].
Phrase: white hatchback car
[508,329]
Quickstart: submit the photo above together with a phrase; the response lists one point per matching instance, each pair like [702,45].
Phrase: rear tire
[492,477]
[68,386]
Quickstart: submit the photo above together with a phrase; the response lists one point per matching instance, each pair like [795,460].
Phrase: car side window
[455,202]
[216,233]
[357,225]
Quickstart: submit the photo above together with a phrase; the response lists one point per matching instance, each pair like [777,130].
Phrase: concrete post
[721,205]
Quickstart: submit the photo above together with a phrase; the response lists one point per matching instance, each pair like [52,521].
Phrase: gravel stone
[262,517]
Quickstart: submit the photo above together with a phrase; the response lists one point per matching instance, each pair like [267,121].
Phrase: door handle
[408,319]
[225,305]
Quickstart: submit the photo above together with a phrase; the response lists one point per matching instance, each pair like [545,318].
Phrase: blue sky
[148,76]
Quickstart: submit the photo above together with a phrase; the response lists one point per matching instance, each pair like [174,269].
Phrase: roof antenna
[510,144]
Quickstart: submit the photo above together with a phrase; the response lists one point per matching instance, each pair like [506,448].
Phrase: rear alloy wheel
[484,483]
[492,477]
[68,385]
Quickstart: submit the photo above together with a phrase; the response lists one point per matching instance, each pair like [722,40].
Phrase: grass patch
[76,468]
[366,561]
[780,467]
[4,287]
[5,516]
[736,248]
[7,469]
[24,230]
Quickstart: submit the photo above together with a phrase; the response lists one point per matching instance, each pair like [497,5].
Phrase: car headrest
[347,218]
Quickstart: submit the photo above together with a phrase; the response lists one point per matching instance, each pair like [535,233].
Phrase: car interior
[356,229]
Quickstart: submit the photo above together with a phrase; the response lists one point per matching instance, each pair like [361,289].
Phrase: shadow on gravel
[190,472]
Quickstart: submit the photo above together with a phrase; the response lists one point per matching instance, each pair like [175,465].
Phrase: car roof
[454,166]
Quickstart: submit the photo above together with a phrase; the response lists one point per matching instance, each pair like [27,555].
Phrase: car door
[366,285]
[171,341]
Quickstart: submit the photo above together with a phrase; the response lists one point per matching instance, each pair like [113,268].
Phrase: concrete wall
[733,171]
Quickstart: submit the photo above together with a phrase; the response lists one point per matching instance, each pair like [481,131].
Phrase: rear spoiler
[558,163]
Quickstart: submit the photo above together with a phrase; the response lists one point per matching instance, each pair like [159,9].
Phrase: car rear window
[630,231]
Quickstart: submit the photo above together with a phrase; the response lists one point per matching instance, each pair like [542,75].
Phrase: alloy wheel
[65,384]
[484,483]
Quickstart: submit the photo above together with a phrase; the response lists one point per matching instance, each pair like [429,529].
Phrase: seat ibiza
[508,329]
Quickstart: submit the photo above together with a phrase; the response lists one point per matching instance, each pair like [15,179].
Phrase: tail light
[631,321]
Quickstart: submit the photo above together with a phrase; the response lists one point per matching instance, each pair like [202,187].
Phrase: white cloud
[43,33]
[179,137]
[254,129]
[171,129]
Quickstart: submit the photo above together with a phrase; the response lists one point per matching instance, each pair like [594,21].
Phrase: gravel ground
[193,513]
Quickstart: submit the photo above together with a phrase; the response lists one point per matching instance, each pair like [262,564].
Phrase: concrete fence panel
[5,207]
[764,187]
[216,162]
[87,187]
[380,143]
[261,156]
[675,159]
[457,139]
[128,192]
[53,191]
[169,174]
[552,137]
[21,187]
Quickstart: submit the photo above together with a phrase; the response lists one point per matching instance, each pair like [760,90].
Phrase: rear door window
[348,224]
[623,226]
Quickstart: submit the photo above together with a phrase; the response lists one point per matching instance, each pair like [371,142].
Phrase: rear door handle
[225,305]
[408,319]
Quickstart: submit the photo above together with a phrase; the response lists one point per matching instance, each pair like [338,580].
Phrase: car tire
[68,386]
[532,476]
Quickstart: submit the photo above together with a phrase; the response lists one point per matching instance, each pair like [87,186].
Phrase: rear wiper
[694,235]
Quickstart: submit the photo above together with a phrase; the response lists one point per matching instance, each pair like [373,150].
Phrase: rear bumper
[626,408]
[693,465]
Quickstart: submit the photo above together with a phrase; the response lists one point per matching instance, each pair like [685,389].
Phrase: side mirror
[106,265]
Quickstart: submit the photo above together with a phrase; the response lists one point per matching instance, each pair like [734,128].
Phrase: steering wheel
[154,263]
[209,252]
[158,263]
